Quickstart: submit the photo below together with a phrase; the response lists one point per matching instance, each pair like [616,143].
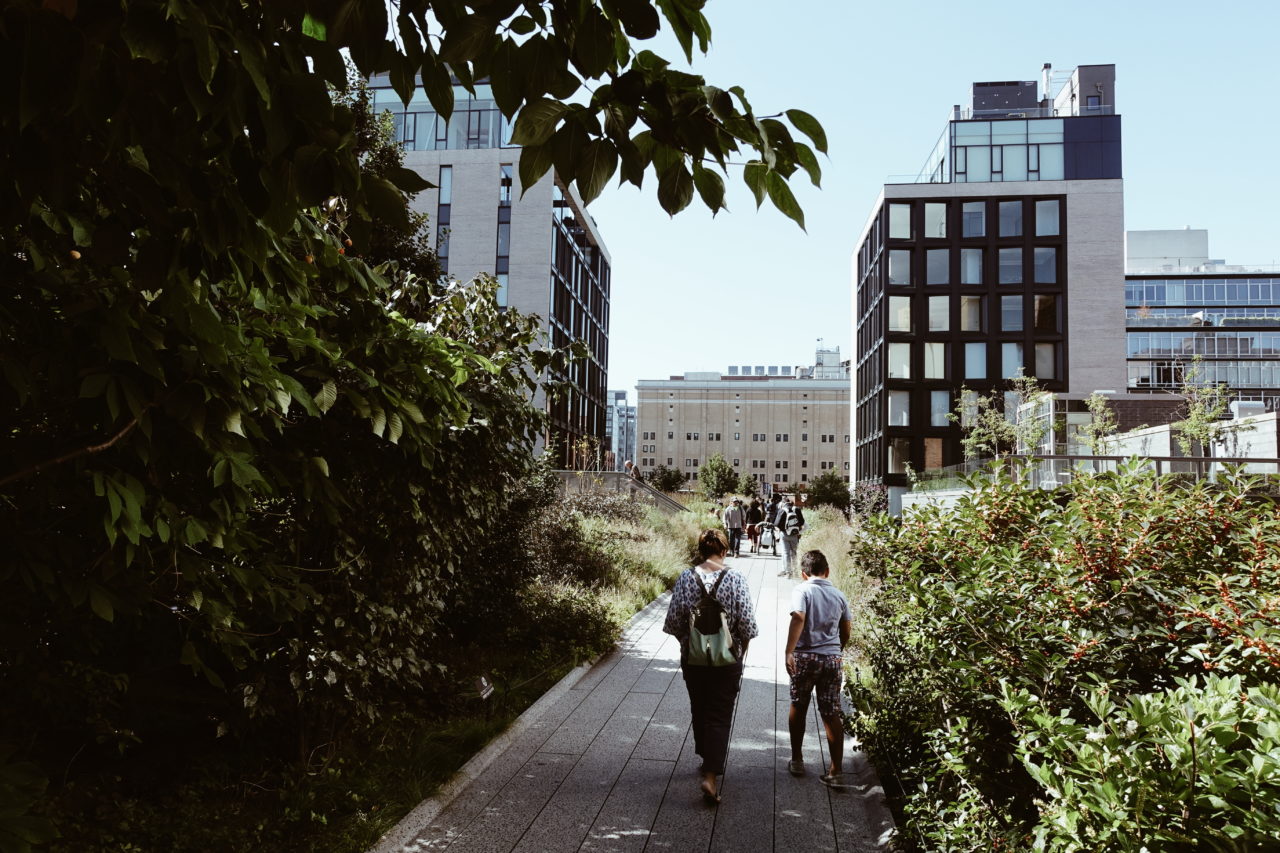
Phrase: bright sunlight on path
[608,764]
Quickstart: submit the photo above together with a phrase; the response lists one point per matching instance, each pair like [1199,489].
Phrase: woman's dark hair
[712,543]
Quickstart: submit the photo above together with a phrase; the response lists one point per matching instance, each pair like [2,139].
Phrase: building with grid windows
[1181,305]
[540,244]
[620,432]
[1005,254]
[783,424]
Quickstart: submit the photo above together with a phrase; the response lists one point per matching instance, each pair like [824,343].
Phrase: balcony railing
[1049,472]
[969,113]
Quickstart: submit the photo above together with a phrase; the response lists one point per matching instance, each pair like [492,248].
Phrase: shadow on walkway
[605,762]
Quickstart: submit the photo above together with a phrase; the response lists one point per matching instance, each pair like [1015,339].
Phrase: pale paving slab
[608,765]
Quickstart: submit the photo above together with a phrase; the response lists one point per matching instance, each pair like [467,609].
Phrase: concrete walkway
[605,762]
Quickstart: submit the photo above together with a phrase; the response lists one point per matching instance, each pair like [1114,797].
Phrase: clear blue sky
[1194,84]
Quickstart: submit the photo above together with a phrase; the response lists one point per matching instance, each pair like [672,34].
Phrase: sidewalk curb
[399,839]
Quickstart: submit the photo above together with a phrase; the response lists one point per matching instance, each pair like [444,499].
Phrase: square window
[1010,360]
[1010,219]
[935,219]
[900,314]
[1046,265]
[1047,224]
[1010,266]
[971,314]
[935,360]
[1046,313]
[974,219]
[939,313]
[1046,361]
[899,361]
[899,409]
[975,361]
[1011,313]
[899,266]
[938,266]
[939,408]
[899,221]
[971,266]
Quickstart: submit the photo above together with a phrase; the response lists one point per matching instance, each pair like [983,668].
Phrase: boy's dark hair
[814,563]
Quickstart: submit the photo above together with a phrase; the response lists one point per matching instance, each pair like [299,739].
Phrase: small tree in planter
[666,479]
[830,489]
[716,477]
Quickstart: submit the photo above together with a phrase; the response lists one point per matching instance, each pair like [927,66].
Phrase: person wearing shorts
[820,624]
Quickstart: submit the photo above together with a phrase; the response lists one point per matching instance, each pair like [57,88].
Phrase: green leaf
[327,395]
[805,157]
[467,39]
[598,163]
[535,161]
[675,189]
[386,203]
[232,423]
[314,27]
[809,126]
[100,601]
[408,180]
[638,17]
[322,465]
[414,413]
[395,428]
[378,421]
[537,122]
[438,84]
[593,44]
[710,187]
[756,174]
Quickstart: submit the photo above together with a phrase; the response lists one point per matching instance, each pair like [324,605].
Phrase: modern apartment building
[1181,305]
[783,424]
[620,431]
[1005,254]
[541,244]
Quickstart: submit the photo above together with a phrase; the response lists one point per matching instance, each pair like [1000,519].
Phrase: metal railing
[618,482]
[1052,471]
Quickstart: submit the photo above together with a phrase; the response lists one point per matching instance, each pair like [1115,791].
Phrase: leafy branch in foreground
[587,101]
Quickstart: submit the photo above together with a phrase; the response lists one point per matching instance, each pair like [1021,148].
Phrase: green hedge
[1092,668]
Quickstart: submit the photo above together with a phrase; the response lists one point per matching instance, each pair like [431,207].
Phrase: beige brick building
[784,425]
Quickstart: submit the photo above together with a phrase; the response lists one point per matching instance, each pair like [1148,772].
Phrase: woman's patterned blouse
[733,594]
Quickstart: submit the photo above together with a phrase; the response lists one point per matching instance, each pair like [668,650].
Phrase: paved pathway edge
[425,812]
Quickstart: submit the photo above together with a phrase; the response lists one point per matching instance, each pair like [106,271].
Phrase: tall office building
[620,431]
[783,424]
[541,244]
[1181,305]
[1004,254]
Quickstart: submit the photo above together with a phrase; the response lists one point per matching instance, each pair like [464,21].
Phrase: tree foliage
[666,479]
[1205,422]
[829,489]
[997,424]
[716,477]
[748,486]
[1102,423]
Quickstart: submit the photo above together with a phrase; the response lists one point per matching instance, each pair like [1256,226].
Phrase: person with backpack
[712,616]
[819,631]
[790,523]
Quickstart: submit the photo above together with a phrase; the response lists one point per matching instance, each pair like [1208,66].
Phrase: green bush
[1125,581]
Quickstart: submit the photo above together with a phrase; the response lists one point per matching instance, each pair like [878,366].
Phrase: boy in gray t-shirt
[820,623]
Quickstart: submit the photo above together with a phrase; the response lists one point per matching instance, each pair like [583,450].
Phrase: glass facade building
[538,242]
[1230,323]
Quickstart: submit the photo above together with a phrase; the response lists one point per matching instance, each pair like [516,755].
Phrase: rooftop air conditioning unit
[1016,115]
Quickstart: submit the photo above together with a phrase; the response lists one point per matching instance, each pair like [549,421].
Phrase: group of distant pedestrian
[712,616]
[783,517]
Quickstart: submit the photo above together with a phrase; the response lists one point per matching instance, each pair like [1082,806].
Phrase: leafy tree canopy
[716,477]
[666,479]
[830,489]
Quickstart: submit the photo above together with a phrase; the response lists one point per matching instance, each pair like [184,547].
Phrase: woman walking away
[712,617]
